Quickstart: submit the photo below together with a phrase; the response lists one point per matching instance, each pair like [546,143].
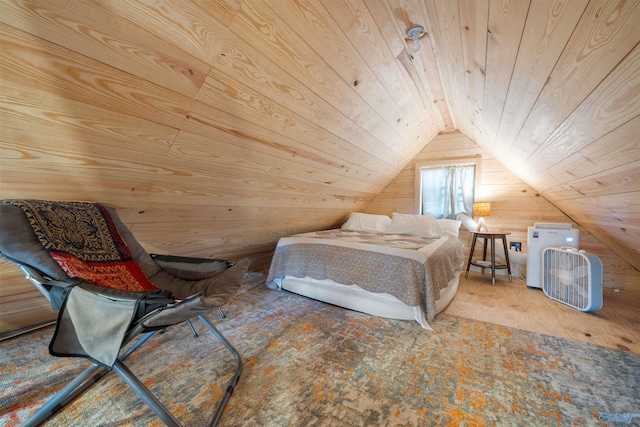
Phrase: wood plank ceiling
[216,127]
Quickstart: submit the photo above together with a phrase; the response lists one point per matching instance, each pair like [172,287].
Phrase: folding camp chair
[187,288]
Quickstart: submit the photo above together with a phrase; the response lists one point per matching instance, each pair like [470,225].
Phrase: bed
[405,267]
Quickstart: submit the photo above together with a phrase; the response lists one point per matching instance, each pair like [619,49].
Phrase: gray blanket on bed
[411,268]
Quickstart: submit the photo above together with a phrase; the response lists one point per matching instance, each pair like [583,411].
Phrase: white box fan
[572,277]
[546,235]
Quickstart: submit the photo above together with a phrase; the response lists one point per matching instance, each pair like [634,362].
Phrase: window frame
[475,160]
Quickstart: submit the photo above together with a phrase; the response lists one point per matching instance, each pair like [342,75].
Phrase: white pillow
[359,221]
[449,227]
[417,225]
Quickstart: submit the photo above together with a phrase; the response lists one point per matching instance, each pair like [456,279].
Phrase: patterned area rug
[313,364]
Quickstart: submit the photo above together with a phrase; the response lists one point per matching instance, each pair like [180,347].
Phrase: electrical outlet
[517,246]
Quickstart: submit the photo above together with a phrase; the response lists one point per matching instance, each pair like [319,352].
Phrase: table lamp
[480,210]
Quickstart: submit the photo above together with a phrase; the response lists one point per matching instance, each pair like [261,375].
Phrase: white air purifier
[573,278]
[545,235]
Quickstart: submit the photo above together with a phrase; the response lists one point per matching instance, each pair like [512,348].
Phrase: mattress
[353,297]
[395,276]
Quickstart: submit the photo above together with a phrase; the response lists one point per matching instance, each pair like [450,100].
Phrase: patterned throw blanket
[412,268]
[84,241]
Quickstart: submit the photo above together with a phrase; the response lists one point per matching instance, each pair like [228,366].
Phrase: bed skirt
[355,298]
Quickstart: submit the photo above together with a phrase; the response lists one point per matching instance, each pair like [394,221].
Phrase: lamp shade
[482,209]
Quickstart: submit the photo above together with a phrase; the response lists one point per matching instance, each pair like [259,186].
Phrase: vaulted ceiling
[225,123]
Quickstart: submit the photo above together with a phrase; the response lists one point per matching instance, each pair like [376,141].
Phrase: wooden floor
[616,325]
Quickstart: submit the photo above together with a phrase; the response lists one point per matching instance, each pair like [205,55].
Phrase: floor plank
[513,304]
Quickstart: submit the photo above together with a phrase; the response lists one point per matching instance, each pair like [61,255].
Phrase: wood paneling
[217,127]
[514,206]
[33,62]
[548,28]
[212,133]
[604,36]
[98,34]
[22,304]
[505,27]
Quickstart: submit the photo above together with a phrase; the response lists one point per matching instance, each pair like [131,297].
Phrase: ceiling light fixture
[414,33]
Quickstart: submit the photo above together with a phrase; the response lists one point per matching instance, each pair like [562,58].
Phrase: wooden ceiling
[217,126]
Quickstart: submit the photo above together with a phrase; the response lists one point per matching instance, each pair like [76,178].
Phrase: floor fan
[572,277]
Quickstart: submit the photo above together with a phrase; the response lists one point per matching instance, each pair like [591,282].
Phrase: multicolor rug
[313,364]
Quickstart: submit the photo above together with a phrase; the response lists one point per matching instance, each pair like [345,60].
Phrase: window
[446,188]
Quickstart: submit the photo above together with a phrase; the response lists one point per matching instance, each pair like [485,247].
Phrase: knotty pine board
[444,21]
[609,106]
[243,152]
[622,179]
[91,30]
[47,113]
[21,304]
[285,129]
[31,61]
[548,28]
[325,32]
[355,20]
[474,15]
[582,66]
[285,47]
[621,146]
[505,31]
[58,185]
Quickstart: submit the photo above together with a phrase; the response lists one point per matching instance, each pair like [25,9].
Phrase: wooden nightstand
[489,236]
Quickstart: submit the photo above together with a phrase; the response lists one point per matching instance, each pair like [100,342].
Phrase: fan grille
[566,277]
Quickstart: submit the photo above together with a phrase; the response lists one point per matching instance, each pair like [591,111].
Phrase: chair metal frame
[95,372]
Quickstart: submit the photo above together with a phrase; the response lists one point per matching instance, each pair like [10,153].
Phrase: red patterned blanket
[83,239]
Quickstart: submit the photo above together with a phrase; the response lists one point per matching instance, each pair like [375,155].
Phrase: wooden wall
[215,127]
[551,90]
[198,122]
[515,206]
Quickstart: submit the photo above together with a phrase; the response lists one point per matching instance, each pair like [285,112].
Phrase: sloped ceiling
[218,126]
[552,89]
